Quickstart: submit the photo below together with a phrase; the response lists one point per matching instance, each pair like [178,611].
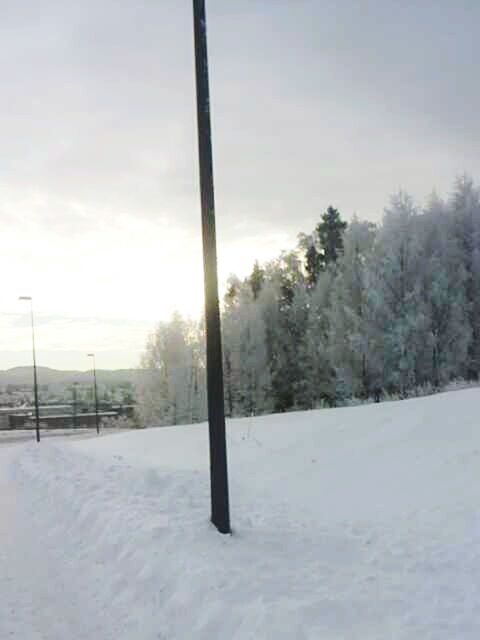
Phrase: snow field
[349,523]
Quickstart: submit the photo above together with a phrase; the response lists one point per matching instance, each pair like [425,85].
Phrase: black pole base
[222,527]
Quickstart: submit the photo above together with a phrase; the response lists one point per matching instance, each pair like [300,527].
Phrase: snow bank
[349,523]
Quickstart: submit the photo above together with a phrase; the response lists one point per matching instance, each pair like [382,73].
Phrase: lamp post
[92,355]
[35,384]
[74,404]
[216,411]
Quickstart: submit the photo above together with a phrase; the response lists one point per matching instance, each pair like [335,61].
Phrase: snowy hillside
[348,523]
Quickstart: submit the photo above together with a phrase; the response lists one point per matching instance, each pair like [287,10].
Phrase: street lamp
[92,355]
[216,411]
[74,405]
[35,385]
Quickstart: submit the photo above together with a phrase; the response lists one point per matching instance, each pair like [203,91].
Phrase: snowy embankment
[348,523]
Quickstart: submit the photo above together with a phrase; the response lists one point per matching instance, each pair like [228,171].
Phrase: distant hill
[24,375]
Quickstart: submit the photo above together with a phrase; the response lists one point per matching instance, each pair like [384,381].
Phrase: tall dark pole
[92,355]
[216,414]
[74,404]
[35,382]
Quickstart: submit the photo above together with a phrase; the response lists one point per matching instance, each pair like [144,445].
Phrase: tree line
[356,310]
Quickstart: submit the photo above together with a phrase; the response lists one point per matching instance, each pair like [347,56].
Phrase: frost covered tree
[231,347]
[320,380]
[352,310]
[442,278]
[350,315]
[394,295]
[465,207]
[246,369]
[171,387]
[285,328]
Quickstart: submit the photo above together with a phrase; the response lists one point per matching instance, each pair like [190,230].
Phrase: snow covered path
[38,592]
[349,523]
[27,608]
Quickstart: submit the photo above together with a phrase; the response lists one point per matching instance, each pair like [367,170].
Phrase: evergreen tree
[257,279]
[230,344]
[282,332]
[308,248]
[319,372]
[330,237]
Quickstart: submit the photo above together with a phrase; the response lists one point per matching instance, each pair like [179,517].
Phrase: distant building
[66,421]
[60,416]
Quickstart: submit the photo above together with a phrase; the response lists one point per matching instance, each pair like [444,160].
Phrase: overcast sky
[314,102]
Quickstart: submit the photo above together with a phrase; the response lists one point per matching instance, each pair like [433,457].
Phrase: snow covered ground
[26,435]
[356,523]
